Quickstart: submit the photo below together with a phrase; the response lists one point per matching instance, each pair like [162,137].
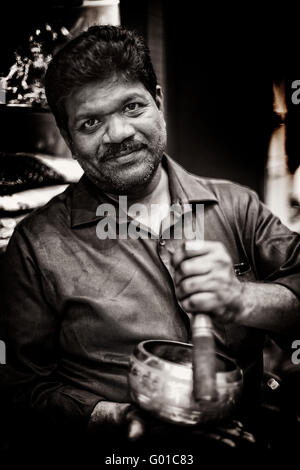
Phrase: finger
[231,431]
[194,267]
[200,302]
[192,248]
[228,442]
[193,284]
[237,431]
[217,437]
[249,437]
[211,303]
[136,429]
[136,424]
[237,423]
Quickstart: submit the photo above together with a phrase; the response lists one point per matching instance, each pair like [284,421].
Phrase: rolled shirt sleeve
[274,249]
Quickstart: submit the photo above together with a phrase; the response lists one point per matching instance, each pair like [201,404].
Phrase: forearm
[66,404]
[58,402]
[271,307]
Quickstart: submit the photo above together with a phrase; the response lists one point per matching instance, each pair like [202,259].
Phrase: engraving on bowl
[165,388]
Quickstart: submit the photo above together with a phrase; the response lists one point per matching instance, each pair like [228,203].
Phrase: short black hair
[98,53]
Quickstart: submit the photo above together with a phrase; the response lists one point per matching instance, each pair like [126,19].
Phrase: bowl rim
[236,372]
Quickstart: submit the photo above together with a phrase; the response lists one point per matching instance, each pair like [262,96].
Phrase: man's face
[117,133]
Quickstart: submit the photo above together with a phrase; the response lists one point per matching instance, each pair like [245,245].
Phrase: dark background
[216,67]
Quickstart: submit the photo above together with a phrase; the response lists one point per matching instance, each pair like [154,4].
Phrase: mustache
[123,148]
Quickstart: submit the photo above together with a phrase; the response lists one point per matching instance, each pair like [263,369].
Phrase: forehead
[103,96]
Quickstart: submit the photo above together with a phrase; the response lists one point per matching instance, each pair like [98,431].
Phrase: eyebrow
[94,113]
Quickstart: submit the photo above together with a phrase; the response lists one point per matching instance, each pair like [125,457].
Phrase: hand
[231,434]
[138,423]
[111,415]
[205,280]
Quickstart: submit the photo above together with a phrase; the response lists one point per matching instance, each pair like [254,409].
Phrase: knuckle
[184,267]
[224,261]
[228,260]
[190,285]
[192,303]
[213,284]
[184,285]
[222,279]
[219,247]
[221,251]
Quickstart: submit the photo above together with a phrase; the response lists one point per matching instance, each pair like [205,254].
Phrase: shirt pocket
[244,272]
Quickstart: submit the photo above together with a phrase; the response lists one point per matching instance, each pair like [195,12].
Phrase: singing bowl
[161,381]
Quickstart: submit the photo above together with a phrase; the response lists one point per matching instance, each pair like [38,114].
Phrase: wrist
[247,303]
[107,412]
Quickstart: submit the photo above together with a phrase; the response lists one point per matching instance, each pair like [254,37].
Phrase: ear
[159,99]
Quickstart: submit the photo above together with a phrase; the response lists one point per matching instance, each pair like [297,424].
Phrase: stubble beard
[113,182]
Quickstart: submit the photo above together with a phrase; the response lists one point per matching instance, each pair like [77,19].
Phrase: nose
[117,129]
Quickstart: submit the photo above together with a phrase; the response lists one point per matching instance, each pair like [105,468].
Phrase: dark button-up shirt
[75,306]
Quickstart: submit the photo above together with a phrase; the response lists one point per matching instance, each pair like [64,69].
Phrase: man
[77,302]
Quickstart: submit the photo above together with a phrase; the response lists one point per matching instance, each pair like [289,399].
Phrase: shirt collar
[184,188]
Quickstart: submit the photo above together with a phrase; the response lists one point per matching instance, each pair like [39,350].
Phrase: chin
[130,180]
[131,185]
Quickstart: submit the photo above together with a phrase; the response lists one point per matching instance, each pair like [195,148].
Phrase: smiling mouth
[125,153]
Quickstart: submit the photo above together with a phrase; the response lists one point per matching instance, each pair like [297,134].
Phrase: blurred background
[230,81]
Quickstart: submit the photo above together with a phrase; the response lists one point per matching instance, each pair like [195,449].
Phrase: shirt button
[162,242]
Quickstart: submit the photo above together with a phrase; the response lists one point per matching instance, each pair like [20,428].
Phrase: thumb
[136,425]
[136,429]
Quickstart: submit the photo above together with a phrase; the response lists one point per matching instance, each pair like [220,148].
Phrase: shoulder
[48,218]
[221,190]
[237,203]
[227,191]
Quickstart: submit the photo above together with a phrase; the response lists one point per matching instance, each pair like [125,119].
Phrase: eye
[90,124]
[131,107]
